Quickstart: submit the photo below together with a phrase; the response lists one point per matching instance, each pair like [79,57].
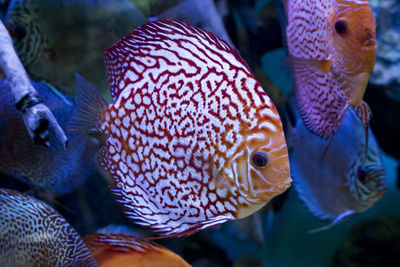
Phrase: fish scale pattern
[318,97]
[33,234]
[324,96]
[186,107]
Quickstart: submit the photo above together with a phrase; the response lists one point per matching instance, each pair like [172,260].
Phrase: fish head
[260,167]
[367,180]
[353,31]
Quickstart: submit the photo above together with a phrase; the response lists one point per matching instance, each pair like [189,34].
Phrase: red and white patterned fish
[193,139]
[332,48]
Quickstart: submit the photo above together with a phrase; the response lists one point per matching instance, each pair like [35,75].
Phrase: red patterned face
[193,139]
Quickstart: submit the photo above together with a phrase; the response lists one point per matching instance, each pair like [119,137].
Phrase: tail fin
[89,107]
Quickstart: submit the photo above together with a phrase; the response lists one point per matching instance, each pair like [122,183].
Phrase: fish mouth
[370,44]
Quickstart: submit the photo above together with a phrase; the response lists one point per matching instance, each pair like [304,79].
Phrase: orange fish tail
[89,108]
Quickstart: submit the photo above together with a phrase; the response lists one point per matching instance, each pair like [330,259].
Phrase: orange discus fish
[129,251]
[193,139]
[332,48]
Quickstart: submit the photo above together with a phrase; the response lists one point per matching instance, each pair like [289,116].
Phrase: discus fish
[33,234]
[332,48]
[53,169]
[345,180]
[56,38]
[193,139]
[203,14]
[126,250]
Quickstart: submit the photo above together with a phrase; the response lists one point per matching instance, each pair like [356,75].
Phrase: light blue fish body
[339,179]
[53,169]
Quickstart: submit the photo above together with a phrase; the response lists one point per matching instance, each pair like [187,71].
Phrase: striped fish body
[33,234]
[193,140]
[332,53]
[345,180]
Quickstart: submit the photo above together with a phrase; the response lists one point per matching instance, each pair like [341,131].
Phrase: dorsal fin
[128,59]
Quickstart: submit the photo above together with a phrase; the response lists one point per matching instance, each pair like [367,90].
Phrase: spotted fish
[332,48]
[126,250]
[54,169]
[343,182]
[33,234]
[193,139]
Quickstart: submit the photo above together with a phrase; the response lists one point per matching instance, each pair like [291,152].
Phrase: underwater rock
[55,39]
[53,169]
[383,92]
[387,64]
[375,242]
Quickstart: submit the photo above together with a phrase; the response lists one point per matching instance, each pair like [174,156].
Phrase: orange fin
[126,250]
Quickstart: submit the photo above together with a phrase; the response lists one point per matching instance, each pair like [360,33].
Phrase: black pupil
[341,27]
[260,159]
[20,31]
[362,175]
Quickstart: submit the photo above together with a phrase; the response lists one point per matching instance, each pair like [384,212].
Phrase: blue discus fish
[54,169]
[342,182]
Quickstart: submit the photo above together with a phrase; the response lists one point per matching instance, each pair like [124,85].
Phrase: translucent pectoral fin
[364,113]
[340,218]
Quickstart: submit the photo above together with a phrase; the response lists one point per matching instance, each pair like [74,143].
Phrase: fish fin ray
[364,112]
[338,219]
[89,107]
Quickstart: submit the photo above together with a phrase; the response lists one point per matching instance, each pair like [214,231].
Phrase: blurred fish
[53,169]
[33,234]
[126,250]
[332,48]
[56,38]
[203,14]
[345,181]
[193,139]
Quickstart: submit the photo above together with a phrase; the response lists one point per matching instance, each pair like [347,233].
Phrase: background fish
[54,169]
[203,14]
[332,53]
[56,38]
[193,139]
[33,234]
[126,250]
[343,182]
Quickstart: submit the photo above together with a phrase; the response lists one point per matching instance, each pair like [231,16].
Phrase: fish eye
[341,26]
[363,176]
[260,159]
[19,31]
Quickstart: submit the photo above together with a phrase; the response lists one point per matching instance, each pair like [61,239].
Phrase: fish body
[53,169]
[33,234]
[56,38]
[345,180]
[204,14]
[126,250]
[193,139]
[331,48]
